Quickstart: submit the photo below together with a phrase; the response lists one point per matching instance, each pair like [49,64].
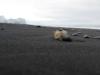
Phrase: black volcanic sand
[31,50]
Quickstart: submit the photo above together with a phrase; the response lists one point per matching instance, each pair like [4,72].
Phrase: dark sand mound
[29,50]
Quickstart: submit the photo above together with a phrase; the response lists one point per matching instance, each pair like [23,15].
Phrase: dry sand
[30,50]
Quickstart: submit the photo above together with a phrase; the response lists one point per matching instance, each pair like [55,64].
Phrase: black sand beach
[31,50]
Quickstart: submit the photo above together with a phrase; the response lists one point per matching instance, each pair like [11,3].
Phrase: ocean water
[76,26]
[68,25]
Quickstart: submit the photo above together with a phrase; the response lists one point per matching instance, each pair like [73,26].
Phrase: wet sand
[31,50]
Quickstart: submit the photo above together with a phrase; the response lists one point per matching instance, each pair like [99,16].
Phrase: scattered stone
[79,32]
[38,26]
[86,36]
[96,37]
[75,34]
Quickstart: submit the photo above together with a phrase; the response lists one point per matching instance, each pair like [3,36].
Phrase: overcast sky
[54,12]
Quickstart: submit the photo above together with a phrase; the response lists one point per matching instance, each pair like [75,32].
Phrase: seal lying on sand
[62,35]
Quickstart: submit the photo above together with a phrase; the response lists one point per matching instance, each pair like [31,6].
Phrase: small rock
[75,34]
[96,37]
[86,36]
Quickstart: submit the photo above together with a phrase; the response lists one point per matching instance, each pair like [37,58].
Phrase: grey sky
[53,12]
